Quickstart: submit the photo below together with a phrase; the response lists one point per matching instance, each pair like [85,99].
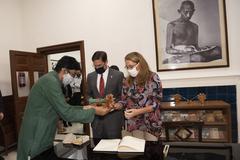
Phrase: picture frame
[190,34]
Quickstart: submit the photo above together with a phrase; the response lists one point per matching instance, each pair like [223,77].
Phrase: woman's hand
[118,106]
[130,113]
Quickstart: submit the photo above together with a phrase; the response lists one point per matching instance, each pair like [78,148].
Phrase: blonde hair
[144,72]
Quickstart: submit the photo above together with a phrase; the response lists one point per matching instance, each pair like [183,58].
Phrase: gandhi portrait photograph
[190,34]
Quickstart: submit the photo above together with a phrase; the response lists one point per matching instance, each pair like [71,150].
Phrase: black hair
[78,66]
[100,55]
[114,67]
[187,2]
[66,62]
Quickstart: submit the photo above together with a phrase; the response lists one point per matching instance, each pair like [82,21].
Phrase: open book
[127,144]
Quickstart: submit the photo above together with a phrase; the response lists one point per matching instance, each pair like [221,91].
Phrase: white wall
[117,27]
[10,37]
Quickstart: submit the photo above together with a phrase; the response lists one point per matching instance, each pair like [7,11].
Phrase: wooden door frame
[69,47]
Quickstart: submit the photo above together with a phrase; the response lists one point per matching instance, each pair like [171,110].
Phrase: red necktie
[101,86]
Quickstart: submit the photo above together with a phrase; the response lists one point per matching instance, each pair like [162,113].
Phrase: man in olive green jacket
[46,103]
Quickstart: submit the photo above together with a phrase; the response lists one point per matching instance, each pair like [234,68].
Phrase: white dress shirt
[105,75]
[76,84]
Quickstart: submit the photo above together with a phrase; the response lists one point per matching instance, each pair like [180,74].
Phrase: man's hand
[102,111]
[88,107]
[109,101]
[1,115]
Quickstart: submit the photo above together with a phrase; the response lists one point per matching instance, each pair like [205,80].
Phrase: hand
[130,113]
[109,105]
[1,115]
[102,111]
[118,106]
[88,107]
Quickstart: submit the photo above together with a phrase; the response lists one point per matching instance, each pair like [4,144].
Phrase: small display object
[183,133]
[214,133]
[215,116]
[210,117]
[177,98]
[77,140]
[218,116]
[201,97]
[192,116]
[105,102]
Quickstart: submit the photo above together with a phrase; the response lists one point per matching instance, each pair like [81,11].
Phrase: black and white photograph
[190,34]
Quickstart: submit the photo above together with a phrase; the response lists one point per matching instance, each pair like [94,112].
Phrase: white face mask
[67,79]
[77,81]
[133,72]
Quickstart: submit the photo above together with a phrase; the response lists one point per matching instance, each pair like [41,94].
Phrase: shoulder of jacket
[91,74]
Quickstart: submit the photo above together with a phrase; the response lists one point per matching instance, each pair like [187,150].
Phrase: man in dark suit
[1,114]
[101,82]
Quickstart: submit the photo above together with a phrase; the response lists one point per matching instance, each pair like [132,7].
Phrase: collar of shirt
[105,75]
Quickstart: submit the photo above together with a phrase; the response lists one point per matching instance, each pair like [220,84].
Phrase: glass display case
[207,122]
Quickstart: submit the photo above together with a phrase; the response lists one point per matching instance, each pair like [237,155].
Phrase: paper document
[77,140]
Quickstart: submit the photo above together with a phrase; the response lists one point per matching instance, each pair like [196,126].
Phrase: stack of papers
[72,139]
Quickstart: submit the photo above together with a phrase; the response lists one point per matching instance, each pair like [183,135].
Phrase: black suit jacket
[113,85]
[1,103]
[110,125]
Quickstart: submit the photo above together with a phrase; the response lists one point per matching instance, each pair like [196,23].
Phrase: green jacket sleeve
[54,94]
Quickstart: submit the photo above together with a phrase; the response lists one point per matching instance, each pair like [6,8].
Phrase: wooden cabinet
[193,121]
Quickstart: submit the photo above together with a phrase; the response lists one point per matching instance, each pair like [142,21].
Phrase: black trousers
[48,155]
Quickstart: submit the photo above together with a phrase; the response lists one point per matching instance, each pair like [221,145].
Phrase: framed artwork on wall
[190,34]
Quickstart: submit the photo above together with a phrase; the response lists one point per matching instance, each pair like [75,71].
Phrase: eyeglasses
[77,75]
